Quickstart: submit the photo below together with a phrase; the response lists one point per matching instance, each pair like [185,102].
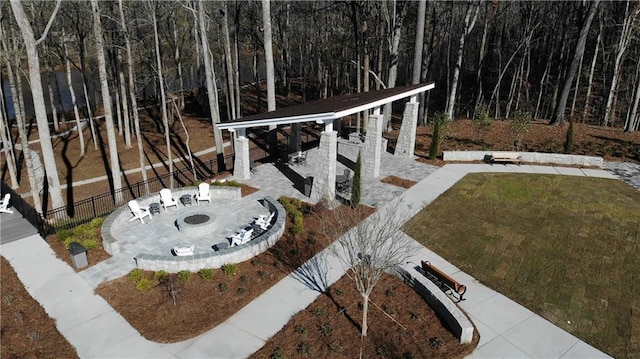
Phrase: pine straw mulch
[400,325]
[26,330]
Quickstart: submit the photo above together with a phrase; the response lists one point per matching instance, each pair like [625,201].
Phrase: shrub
[143,284]
[183,276]
[440,126]
[90,244]
[326,330]
[481,121]
[136,274]
[161,276]
[568,143]
[63,234]
[256,262]
[436,342]
[277,354]
[223,287]
[97,222]
[520,125]
[206,273]
[230,269]
[241,291]
[357,183]
[303,348]
[300,329]
[262,274]
[335,348]
[244,279]
[317,312]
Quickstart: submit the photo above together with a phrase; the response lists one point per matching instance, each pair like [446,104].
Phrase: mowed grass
[565,247]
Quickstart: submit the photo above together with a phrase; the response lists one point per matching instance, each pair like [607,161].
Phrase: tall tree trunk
[470,18]
[132,94]
[228,61]
[394,44]
[72,93]
[38,101]
[8,143]
[623,44]
[126,128]
[419,42]
[594,60]
[114,162]
[558,117]
[163,98]
[632,122]
[212,91]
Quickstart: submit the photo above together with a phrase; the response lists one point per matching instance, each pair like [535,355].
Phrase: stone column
[324,180]
[372,149]
[241,166]
[407,136]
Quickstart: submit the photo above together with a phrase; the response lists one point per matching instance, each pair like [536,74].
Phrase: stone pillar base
[407,137]
[241,166]
[324,180]
[372,149]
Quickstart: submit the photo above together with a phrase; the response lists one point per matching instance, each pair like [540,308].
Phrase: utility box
[308,182]
[78,255]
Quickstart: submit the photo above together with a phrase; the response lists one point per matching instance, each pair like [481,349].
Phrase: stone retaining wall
[530,157]
[217,259]
[123,214]
[453,317]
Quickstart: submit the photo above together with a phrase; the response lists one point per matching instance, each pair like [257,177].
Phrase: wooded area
[557,60]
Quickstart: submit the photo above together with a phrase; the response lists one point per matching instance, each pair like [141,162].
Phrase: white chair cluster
[264,220]
[241,237]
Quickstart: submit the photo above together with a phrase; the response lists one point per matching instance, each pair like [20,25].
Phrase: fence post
[93,205]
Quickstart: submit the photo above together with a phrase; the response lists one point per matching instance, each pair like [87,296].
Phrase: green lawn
[565,247]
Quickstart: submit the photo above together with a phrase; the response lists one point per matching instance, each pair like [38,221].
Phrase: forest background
[555,60]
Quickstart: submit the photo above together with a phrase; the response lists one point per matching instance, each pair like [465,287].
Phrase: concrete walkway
[97,331]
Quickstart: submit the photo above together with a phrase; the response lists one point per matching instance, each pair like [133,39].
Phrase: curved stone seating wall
[449,312]
[237,254]
[123,214]
[531,157]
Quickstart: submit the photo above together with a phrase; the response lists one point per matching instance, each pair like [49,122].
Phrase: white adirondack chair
[204,193]
[139,212]
[166,199]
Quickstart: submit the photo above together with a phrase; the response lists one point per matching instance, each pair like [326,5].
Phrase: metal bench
[512,157]
[440,277]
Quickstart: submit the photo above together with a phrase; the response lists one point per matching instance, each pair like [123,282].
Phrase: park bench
[440,277]
[506,157]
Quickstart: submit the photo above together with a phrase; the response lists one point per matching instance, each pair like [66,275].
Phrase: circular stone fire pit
[195,225]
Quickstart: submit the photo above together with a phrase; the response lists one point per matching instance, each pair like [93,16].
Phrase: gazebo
[325,112]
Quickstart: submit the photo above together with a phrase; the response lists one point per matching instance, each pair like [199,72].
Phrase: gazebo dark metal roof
[327,110]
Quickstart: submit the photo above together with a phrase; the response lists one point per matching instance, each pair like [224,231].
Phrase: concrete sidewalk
[506,328]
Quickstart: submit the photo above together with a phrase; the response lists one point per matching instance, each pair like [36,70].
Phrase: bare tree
[558,117]
[268,55]
[369,249]
[38,97]
[473,7]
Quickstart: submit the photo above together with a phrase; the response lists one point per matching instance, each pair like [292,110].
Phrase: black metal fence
[27,211]
[83,211]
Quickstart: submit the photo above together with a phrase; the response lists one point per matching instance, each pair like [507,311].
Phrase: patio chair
[204,193]
[4,204]
[184,251]
[253,167]
[166,199]
[242,237]
[342,181]
[303,159]
[139,212]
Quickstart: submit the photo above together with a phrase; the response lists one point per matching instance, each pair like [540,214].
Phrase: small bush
[206,273]
[244,279]
[414,315]
[230,269]
[326,330]
[335,348]
[262,274]
[481,120]
[90,244]
[183,276]
[136,274]
[382,351]
[63,234]
[389,310]
[436,342]
[277,354]
[300,329]
[303,348]
[97,222]
[318,312]
[143,284]
[241,291]
[223,287]
[256,262]
[339,293]
[440,127]
[389,292]
[520,125]
[356,191]
[161,276]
